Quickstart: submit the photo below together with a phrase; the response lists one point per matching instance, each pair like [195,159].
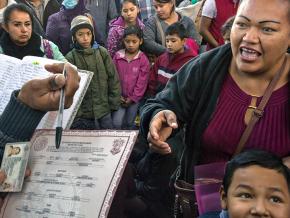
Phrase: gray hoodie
[102,11]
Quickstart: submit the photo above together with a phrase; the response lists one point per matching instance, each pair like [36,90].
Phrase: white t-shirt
[209,8]
[10,2]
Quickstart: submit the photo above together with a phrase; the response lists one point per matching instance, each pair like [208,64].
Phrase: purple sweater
[58,26]
[223,133]
[133,74]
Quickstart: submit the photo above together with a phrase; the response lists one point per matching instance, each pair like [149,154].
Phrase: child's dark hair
[178,29]
[227,26]
[134,2]
[255,157]
[135,30]
[16,7]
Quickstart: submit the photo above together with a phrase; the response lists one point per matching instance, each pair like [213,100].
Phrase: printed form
[77,180]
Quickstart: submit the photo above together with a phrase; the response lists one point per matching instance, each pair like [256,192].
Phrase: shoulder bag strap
[258,112]
[160,30]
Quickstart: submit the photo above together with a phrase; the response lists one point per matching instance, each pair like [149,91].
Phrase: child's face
[132,43]
[129,12]
[257,192]
[84,37]
[226,37]
[174,44]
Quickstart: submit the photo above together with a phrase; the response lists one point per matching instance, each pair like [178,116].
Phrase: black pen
[58,130]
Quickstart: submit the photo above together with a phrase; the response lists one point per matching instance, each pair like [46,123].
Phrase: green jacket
[104,92]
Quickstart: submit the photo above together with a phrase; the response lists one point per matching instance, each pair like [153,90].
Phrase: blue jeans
[124,118]
[104,122]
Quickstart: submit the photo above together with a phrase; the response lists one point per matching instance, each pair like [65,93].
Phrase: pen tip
[58,134]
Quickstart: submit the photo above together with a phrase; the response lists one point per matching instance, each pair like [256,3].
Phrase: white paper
[14,73]
[77,180]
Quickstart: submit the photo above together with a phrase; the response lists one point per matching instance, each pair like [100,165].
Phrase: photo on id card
[14,164]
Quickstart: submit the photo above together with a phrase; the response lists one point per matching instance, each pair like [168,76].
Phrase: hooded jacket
[104,92]
[165,67]
[133,74]
[116,32]
[58,26]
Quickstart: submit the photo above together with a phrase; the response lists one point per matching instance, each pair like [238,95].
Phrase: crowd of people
[150,73]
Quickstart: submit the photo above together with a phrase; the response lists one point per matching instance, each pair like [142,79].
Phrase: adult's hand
[44,94]
[2,179]
[160,129]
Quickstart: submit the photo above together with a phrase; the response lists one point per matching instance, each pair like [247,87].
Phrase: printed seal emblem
[117,145]
[40,143]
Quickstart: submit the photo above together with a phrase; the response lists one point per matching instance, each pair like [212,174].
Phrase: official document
[77,180]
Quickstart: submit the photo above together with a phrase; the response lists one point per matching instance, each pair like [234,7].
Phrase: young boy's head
[256,184]
[82,31]
[175,36]
[226,29]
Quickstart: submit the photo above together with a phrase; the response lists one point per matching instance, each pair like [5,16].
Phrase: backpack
[47,49]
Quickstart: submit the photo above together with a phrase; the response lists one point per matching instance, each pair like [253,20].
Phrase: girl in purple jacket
[129,13]
[133,68]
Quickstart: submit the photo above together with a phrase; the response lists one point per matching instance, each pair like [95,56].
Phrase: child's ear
[183,41]
[223,198]
[141,41]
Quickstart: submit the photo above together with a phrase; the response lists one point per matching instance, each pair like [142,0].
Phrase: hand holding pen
[44,94]
[52,93]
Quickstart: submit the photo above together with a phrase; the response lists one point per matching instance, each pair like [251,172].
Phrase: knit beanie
[80,22]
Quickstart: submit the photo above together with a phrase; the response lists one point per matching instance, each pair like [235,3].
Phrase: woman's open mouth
[249,54]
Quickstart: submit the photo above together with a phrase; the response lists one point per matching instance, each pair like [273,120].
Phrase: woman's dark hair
[255,157]
[167,1]
[135,30]
[16,7]
[178,29]
[134,2]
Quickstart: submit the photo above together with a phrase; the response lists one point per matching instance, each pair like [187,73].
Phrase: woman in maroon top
[215,94]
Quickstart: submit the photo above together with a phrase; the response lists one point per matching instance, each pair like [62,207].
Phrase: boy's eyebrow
[276,189]
[273,189]
[244,186]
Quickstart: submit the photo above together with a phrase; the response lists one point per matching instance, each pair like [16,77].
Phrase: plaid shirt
[146,9]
